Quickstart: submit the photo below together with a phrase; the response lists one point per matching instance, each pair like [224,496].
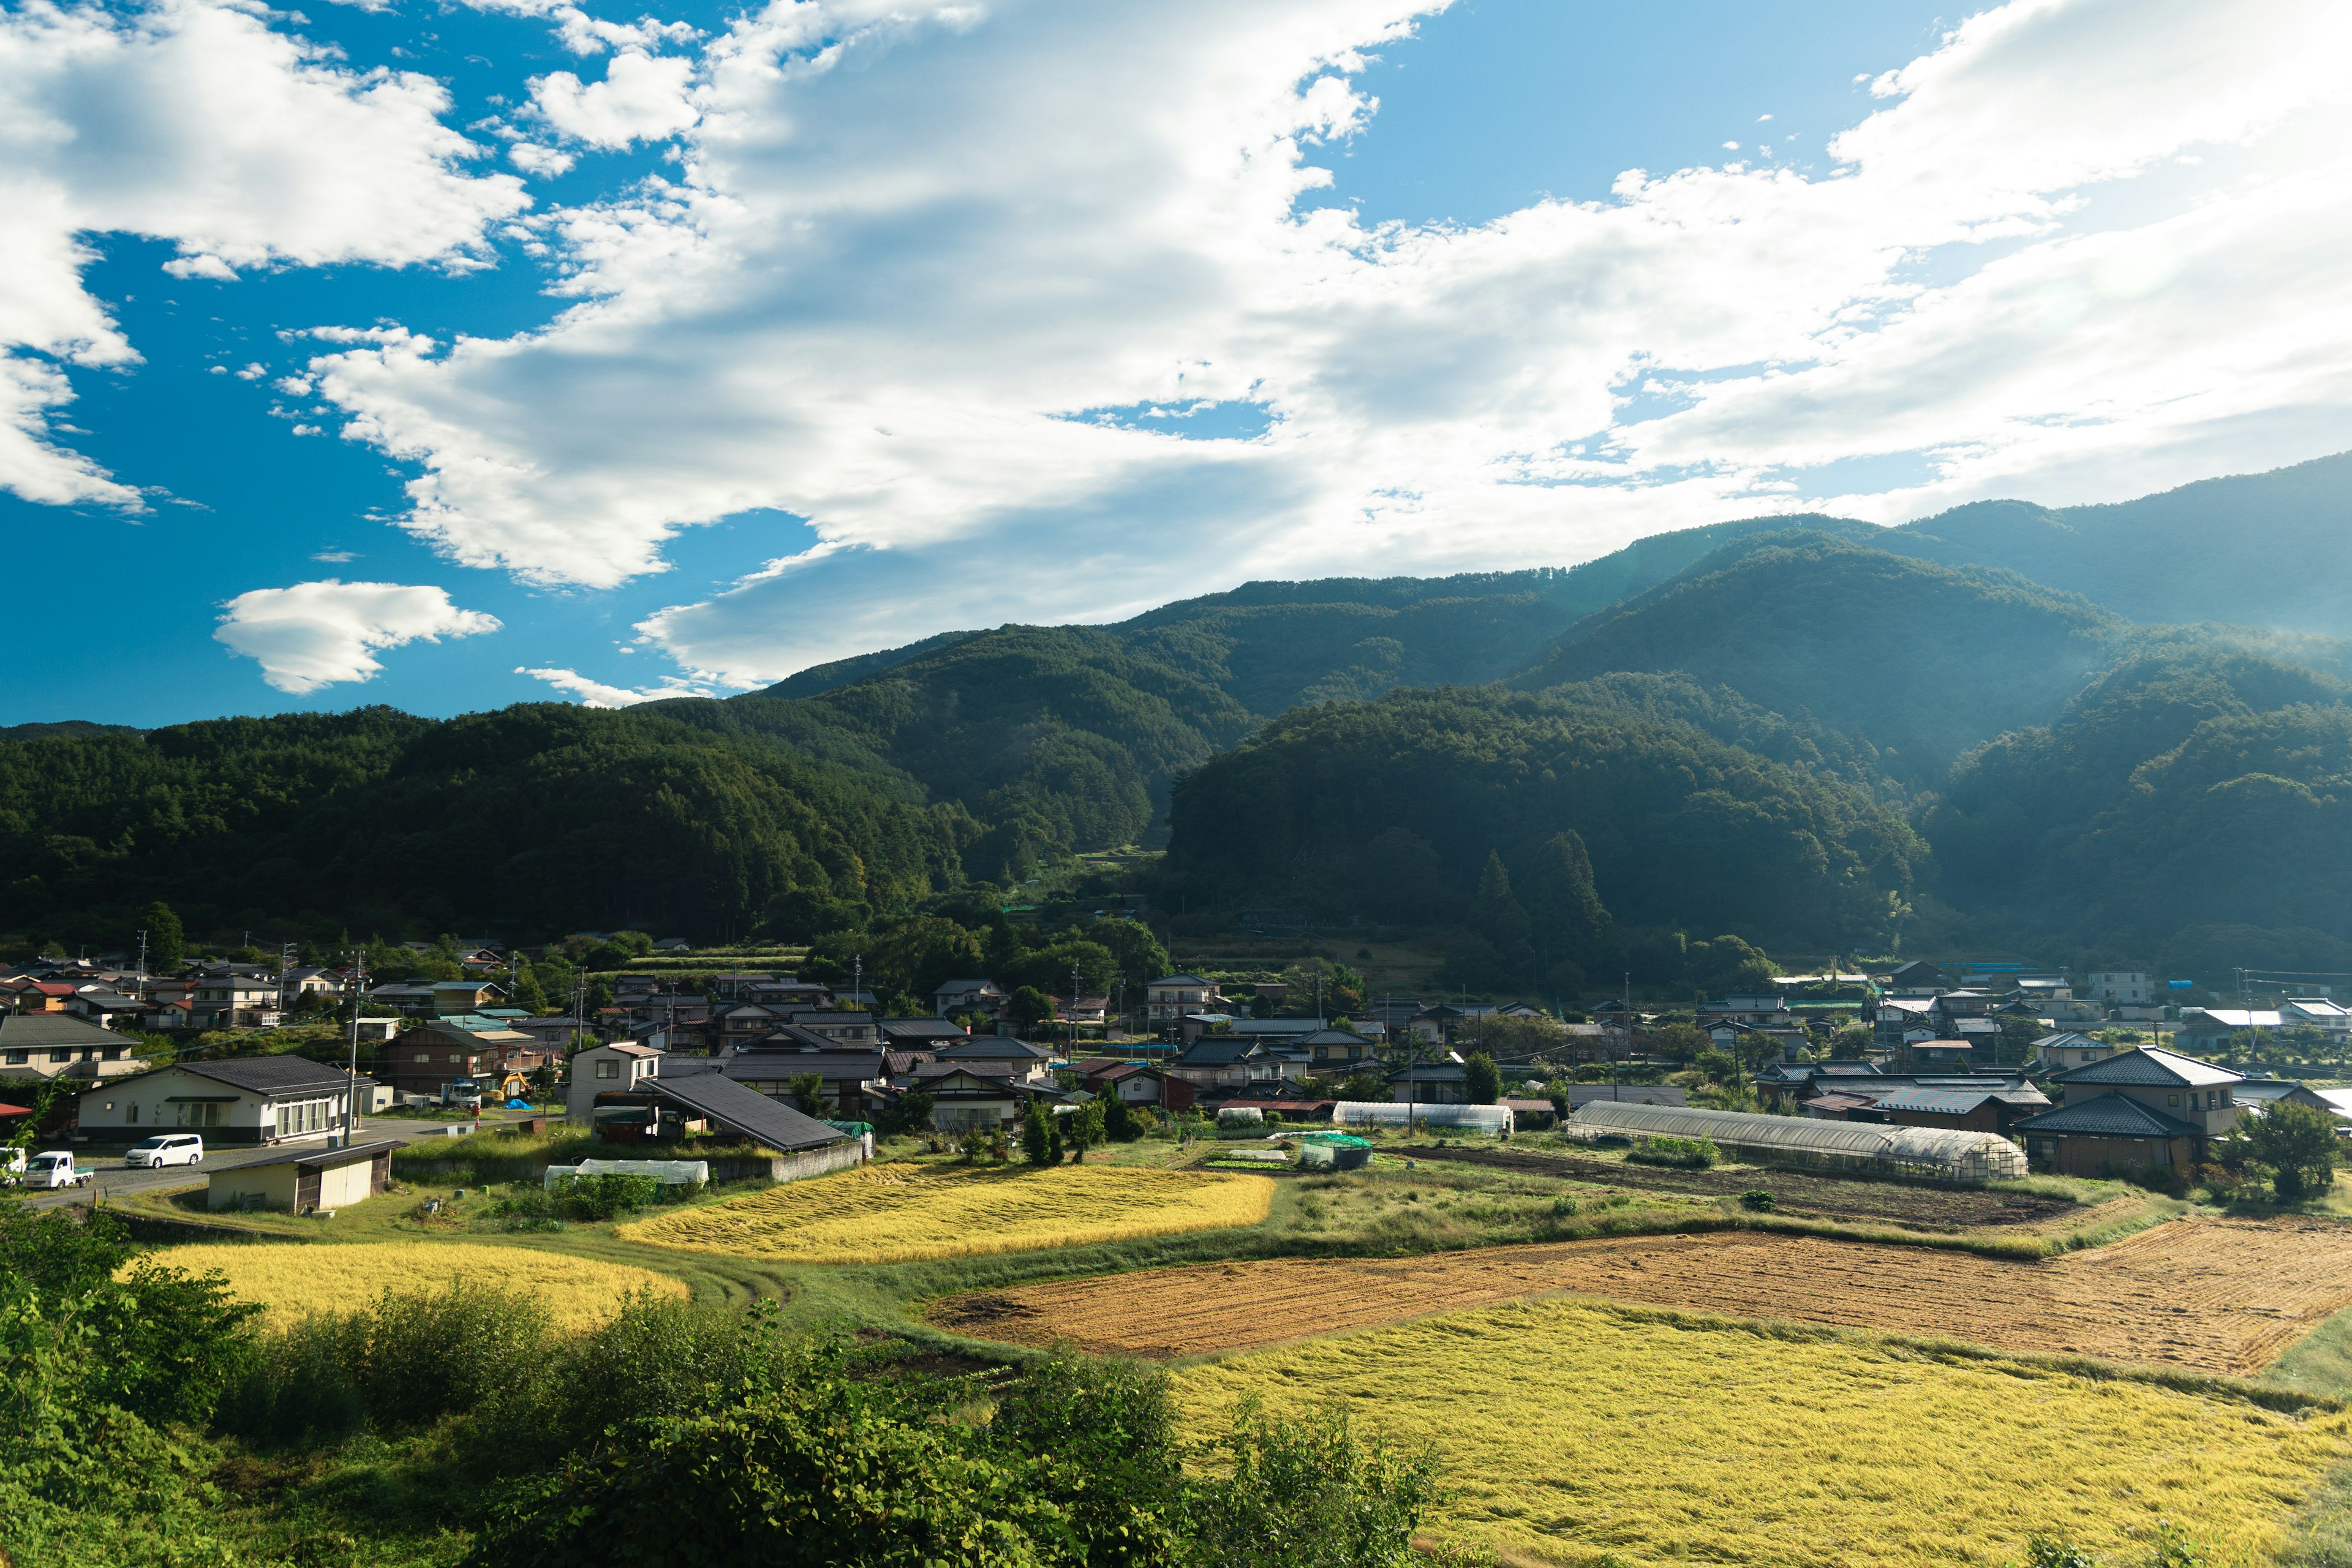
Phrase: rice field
[294,1281]
[900,1212]
[1570,1432]
[2224,1296]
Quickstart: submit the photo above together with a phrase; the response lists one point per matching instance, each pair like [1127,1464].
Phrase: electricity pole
[359,994]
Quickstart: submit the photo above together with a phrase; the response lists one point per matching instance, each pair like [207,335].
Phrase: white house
[602,1069]
[2122,987]
[246,1099]
[55,1045]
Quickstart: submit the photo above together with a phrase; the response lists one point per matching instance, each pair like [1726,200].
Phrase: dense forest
[1806,730]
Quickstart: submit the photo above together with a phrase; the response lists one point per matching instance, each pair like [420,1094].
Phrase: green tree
[808,1093]
[2298,1144]
[1307,1493]
[167,942]
[1120,1124]
[913,1112]
[1028,1006]
[1674,1042]
[1498,915]
[1085,1129]
[1571,925]
[1036,1136]
[1480,1081]
[1365,1084]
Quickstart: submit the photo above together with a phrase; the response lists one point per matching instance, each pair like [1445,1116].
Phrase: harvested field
[293,1279]
[900,1212]
[2222,1296]
[1916,1207]
[1567,1431]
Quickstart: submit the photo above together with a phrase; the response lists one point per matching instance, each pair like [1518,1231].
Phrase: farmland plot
[292,1279]
[1567,1430]
[2216,1294]
[900,1212]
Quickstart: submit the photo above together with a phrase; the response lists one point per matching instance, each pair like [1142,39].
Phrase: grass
[883,1213]
[293,1282]
[1571,1431]
[2319,1362]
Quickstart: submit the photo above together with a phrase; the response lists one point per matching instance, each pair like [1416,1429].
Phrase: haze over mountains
[2106,728]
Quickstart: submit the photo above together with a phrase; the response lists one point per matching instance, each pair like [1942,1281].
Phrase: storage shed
[326,1179]
[1930,1152]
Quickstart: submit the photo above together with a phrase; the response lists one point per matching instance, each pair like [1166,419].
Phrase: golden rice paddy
[294,1281]
[1570,1431]
[897,1212]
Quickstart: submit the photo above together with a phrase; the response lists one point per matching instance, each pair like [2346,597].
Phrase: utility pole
[1074,1010]
[285,963]
[142,952]
[359,994]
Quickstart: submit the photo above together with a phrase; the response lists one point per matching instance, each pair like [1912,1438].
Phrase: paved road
[115,1179]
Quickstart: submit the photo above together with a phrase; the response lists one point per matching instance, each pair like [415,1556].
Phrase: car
[54,1168]
[167,1149]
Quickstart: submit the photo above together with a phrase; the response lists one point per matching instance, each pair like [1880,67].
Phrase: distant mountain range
[2095,727]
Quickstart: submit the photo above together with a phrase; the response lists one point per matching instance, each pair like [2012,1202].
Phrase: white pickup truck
[55,1168]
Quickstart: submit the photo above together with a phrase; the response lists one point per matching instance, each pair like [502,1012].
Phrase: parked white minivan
[167,1149]
[54,1168]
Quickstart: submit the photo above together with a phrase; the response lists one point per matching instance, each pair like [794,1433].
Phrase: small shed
[304,1183]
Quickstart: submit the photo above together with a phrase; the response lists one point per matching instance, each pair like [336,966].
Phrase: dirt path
[2215,1295]
[1918,1208]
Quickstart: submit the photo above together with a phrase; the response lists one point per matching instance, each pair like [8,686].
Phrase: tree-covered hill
[1920,660]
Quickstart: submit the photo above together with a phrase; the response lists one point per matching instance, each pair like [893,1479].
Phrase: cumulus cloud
[197,123]
[317,634]
[642,98]
[596,694]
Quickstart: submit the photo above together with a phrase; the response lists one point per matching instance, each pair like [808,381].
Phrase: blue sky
[841,325]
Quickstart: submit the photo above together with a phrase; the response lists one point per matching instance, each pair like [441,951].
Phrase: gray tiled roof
[18,1030]
[745,1111]
[2150,1066]
[2108,1116]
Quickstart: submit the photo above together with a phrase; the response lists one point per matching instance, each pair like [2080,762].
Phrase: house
[661,1110]
[844,1075]
[230,1000]
[1235,1061]
[2068,1049]
[412,997]
[998,1056]
[602,1067]
[429,1056]
[963,1097]
[1919,975]
[2122,987]
[1336,1050]
[1169,998]
[842,1028]
[322,1180]
[919,1033]
[1436,1024]
[104,1007]
[553,1035]
[2261,1093]
[1429,1083]
[2147,1107]
[2317,1013]
[1628,1093]
[2210,1028]
[1748,1011]
[245,1099]
[1139,1083]
[55,1045]
[1938,1055]
[983,999]
[40,996]
[1081,1010]
[1965,1110]
[310,983]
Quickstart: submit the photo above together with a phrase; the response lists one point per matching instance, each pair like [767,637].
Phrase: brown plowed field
[2216,1294]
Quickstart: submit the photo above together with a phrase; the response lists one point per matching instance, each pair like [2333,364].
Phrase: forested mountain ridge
[1796,694]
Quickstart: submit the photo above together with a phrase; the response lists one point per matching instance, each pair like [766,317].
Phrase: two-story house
[246,1099]
[54,1045]
[2148,1107]
[981,999]
[1170,997]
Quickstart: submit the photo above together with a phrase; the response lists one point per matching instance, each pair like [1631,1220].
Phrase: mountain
[2257,550]
[1921,660]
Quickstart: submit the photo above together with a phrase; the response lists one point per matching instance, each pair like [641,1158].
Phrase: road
[115,1179]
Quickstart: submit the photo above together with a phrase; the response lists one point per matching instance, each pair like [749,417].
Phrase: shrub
[1308,1492]
[1756,1198]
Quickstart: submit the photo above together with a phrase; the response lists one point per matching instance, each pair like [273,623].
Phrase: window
[2210,1096]
[130,1114]
[60,1056]
[453,1056]
[109,1105]
[2172,1099]
[19,1059]
[608,1069]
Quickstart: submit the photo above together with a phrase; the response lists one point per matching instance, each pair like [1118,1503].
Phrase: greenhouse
[1491,1119]
[1934,1154]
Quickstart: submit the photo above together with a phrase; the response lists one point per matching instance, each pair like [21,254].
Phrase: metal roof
[2108,1116]
[745,1111]
[266,1075]
[18,1030]
[1961,1154]
[2150,1066]
[1957,1101]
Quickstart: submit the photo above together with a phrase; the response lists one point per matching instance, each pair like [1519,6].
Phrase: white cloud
[642,98]
[910,241]
[596,694]
[195,122]
[317,634]
[545,163]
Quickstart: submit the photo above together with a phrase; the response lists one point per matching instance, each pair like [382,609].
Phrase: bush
[1682,1154]
[1308,1493]
[1756,1198]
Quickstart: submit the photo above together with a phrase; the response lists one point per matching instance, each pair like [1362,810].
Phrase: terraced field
[2215,1295]
[292,1279]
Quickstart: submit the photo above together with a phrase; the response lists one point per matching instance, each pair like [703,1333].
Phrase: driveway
[115,1179]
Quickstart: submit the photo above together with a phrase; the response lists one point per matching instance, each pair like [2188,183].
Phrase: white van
[54,1168]
[168,1148]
